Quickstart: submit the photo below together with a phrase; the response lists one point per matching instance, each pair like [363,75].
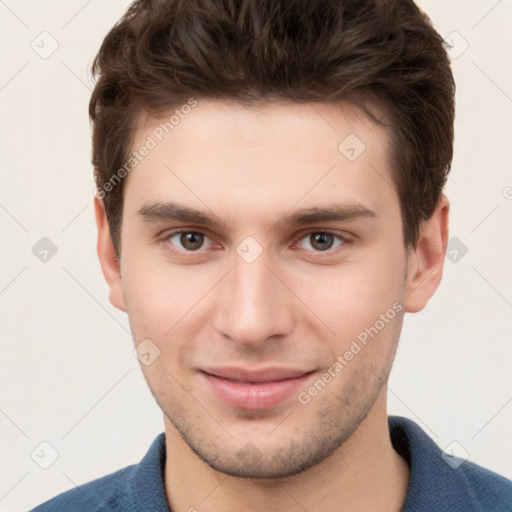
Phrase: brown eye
[321,241]
[188,240]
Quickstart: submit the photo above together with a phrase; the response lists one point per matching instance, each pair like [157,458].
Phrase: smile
[254,390]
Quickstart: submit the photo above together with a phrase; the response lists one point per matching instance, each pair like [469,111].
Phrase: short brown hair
[162,52]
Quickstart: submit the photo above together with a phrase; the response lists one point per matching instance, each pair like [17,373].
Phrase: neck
[365,473]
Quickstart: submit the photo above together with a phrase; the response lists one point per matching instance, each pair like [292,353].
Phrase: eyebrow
[339,212]
[155,212]
[169,211]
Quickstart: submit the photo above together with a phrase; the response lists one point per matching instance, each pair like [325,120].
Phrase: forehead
[240,125]
[266,156]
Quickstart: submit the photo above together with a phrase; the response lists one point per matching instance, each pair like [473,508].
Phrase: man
[269,206]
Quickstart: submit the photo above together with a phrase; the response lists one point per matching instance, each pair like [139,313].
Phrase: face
[263,267]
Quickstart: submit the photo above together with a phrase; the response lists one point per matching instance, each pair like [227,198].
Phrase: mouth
[254,390]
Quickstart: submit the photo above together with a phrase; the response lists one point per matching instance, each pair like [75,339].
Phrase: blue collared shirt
[436,484]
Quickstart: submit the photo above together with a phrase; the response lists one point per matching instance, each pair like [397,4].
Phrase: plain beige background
[68,377]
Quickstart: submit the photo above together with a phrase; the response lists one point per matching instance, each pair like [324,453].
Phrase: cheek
[148,296]
[162,298]
[353,298]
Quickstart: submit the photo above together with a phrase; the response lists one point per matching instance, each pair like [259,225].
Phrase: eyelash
[343,239]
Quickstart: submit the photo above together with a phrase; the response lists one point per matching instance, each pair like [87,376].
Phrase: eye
[189,240]
[321,241]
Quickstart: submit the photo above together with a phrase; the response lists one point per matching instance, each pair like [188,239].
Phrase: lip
[254,390]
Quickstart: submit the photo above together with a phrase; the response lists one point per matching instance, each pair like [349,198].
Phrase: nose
[254,306]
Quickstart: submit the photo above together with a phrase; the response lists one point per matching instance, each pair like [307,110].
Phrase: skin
[294,306]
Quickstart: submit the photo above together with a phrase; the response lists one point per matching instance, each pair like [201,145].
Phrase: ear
[425,263]
[110,264]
